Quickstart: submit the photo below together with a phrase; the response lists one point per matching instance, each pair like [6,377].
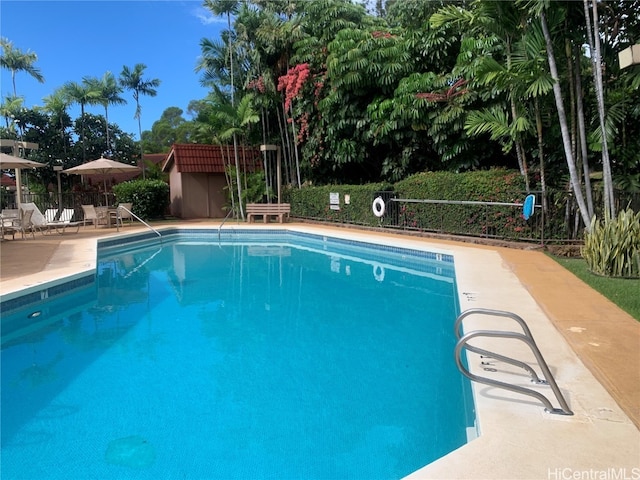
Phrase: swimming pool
[261,355]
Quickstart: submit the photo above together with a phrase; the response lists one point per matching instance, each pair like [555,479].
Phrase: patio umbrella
[101,166]
[9,161]
[16,163]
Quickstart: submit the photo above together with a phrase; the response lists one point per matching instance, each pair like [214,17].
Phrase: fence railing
[556,218]
[559,220]
[73,200]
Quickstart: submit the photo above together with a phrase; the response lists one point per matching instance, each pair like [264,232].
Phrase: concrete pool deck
[591,346]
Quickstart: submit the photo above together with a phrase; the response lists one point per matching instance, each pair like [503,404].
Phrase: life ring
[378,272]
[378,207]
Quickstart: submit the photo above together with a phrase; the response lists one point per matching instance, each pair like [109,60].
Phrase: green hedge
[496,185]
[314,202]
[150,198]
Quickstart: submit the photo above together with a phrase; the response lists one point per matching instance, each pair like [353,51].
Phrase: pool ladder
[527,338]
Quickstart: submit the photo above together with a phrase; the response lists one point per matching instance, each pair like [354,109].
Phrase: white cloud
[206,17]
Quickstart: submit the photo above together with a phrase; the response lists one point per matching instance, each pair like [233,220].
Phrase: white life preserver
[378,207]
[378,272]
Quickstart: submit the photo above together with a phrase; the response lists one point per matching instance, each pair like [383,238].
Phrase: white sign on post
[334,201]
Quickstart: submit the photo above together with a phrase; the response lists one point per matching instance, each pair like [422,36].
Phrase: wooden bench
[267,210]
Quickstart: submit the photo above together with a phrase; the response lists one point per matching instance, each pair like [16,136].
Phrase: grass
[622,292]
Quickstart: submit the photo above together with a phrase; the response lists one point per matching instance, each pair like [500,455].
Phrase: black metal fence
[556,217]
[73,200]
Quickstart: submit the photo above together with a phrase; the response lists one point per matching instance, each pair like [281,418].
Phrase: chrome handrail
[493,313]
[525,337]
[486,353]
[222,223]
[119,220]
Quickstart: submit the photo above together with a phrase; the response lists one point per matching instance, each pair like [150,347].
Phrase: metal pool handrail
[222,223]
[119,220]
[525,337]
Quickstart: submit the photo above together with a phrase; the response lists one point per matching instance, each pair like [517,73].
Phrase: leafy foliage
[150,198]
[496,185]
[612,247]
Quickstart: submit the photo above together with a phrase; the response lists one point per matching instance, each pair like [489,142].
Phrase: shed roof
[7,181]
[193,158]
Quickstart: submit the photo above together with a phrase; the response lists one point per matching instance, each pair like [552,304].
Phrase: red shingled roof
[193,158]
[7,181]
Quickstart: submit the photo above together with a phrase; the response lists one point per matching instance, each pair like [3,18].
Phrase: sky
[75,39]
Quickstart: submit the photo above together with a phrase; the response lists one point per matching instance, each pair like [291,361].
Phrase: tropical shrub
[495,185]
[612,247]
[150,198]
[314,203]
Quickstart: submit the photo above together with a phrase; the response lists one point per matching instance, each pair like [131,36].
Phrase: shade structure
[101,166]
[16,163]
[9,161]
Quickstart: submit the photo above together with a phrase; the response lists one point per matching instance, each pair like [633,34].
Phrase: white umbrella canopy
[9,161]
[16,163]
[101,166]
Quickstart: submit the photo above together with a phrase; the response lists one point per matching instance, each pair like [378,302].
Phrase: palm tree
[233,121]
[16,60]
[82,94]
[503,21]
[132,80]
[56,104]
[593,37]
[109,94]
[226,7]
[10,108]
[213,63]
[562,118]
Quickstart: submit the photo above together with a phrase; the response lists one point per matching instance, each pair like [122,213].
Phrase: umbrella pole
[18,188]
[106,199]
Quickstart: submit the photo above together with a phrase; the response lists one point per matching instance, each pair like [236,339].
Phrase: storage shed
[196,177]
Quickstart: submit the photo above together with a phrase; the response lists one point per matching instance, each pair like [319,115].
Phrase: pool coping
[518,439]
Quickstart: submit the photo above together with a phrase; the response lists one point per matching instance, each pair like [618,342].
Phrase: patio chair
[50,214]
[94,216]
[38,220]
[23,225]
[41,223]
[10,214]
[65,221]
[8,217]
[122,214]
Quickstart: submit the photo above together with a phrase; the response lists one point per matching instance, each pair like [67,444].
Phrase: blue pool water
[275,357]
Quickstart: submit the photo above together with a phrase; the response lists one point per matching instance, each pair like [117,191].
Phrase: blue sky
[74,39]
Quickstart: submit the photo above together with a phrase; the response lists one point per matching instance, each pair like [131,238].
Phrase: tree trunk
[596,60]
[543,180]
[295,146]
[144,176]
[106,117]
[566,140]
[264,156]
[227,177]
[239,186]
[582,137]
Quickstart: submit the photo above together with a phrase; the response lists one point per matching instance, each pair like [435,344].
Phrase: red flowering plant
[257,85]
[293,84]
